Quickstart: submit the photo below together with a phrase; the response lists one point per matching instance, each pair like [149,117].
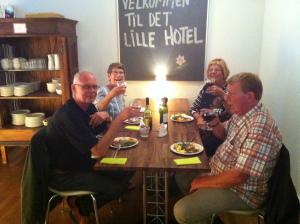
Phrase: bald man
[73,146]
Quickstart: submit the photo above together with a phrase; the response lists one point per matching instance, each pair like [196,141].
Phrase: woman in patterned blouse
[110,97]
[211,96]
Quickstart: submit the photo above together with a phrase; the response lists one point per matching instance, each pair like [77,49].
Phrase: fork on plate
[118,149]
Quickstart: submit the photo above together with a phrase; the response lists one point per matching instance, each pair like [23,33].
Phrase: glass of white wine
[121,83]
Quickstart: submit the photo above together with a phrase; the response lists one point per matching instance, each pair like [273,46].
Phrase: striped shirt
[209,101]
[115,106]
[252,146]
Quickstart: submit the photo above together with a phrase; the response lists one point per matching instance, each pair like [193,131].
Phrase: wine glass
[121,83]
[208,115]
[208,83]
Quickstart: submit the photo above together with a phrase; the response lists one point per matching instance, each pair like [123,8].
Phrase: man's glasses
[117,72]
[88,87]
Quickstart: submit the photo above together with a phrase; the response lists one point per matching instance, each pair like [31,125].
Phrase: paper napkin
[117,161]
[187,161]
[132,127]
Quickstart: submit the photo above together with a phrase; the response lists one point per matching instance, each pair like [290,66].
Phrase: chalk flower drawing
[180,61]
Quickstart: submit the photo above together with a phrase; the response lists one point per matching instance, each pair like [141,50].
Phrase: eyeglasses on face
[214,70]
[88,87]
[115,72]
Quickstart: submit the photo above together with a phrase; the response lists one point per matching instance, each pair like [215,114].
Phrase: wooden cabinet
[29,39]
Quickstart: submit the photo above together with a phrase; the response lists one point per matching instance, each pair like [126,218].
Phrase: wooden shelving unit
[43,36]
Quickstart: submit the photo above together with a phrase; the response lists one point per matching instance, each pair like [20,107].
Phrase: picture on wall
[166,33]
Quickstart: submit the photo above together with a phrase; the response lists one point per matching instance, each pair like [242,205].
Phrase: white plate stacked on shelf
[34,120]
[18,116]
[7,90]
[22,90]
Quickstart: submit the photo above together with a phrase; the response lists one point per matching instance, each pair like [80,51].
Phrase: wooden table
[153,156]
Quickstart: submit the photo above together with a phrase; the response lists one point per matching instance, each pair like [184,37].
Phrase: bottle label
[147,121]
[165,118]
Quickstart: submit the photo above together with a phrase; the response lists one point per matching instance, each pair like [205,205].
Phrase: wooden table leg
[3,154]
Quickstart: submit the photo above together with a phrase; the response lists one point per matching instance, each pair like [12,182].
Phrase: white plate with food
[133,120]
[186,148]
[124,142]
[181,118]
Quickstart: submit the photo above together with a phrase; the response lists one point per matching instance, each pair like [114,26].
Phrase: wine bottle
[163,111]
[148,115]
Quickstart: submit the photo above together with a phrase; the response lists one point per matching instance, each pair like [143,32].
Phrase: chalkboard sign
[165,32]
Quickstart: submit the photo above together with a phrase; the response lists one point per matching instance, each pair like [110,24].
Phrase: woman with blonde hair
[211,96]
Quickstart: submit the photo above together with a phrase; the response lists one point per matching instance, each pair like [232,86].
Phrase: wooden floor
[128,210]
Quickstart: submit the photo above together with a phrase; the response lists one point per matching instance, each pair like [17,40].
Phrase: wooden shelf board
[27,70]
[16,133]
[35,95]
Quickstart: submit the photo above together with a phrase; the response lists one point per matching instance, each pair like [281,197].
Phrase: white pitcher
[50,62]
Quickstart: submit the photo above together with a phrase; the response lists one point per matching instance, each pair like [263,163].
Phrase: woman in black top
[211,96]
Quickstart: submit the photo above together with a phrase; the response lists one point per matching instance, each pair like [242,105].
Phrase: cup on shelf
[51,87]
[58,90]
[56,80]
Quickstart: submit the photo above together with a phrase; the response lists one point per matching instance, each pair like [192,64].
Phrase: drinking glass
[208,83]
[122,83]
[207,115]
[144,131]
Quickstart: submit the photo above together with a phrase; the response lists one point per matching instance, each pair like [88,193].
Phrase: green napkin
[132,127]
[117,161]
[188,161]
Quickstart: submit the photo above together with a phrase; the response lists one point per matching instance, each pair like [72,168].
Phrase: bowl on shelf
[34,120]
[7,90]
[58,90]
[6,63]
[18,116]
[17,62]
[56,80]
[51,87]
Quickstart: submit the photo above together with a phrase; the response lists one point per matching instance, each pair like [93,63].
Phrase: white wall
[234,33]
[251,35]
[280,72]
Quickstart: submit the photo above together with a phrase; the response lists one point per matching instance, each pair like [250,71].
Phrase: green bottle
[148,115]
[163,111]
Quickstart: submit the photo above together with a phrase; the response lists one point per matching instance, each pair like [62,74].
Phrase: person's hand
[198,118]
[216,91]
[118,90]
[98,118]
[129,112]
[208,123]
[195,184]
